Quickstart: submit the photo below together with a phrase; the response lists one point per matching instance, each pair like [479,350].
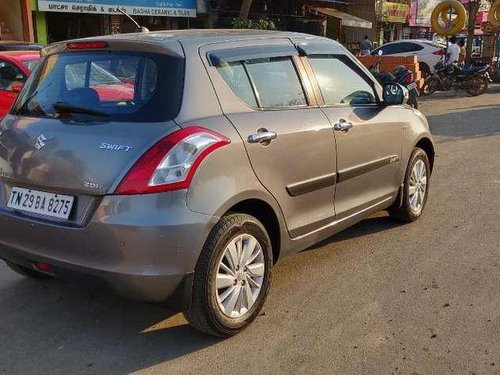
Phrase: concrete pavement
[378,298]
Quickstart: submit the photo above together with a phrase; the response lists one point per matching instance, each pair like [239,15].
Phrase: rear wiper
[63,107]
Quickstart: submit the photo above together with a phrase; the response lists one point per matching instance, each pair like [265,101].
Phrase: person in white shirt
[453,53]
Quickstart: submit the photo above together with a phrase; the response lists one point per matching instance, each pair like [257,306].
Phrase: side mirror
[17,87]
[395,94]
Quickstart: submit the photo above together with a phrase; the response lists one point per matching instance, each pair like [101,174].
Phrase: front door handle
[342,126]
[263,136]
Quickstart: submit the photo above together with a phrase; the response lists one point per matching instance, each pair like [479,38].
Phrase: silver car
[183,165]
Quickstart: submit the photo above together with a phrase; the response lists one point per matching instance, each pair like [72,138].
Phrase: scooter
[401,75]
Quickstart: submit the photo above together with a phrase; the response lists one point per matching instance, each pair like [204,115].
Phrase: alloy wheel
[239,276]
[417,187]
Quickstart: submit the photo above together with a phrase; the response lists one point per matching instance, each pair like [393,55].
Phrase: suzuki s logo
[40,141]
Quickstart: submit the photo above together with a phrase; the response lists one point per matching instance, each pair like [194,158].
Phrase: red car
[15,67]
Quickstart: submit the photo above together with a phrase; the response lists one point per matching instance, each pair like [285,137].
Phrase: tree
[245,8]
[473,8]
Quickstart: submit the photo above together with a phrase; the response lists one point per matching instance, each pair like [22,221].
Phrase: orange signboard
[395,12]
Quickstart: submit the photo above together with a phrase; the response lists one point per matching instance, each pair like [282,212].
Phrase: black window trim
[240,54]
[347,61]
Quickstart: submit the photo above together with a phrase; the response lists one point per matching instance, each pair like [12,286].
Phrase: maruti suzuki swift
[183,165]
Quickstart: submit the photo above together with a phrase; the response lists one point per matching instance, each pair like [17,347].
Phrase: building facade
[348,21]
[16,21]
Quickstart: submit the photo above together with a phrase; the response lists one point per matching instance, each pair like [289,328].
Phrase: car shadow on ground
[78,328]
[376,223]
[75,328]
[458,124]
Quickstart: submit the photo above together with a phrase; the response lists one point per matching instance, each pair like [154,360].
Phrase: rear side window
[9,75]
[275,82]
[114,86]
[30,64]
[236,77]
[401,47]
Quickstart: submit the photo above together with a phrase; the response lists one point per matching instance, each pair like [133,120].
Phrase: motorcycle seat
[473,69]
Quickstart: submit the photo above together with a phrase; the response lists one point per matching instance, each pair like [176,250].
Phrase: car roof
[21,55]
[202,36]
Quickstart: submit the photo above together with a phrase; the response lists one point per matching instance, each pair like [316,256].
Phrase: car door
[368,135]
[9,75]
[265,94]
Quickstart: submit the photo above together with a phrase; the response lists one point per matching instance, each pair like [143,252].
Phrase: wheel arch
[265,213]
[427,145]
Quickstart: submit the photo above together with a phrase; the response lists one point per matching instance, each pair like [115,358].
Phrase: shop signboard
[157,8]
[421,11]
[395,12]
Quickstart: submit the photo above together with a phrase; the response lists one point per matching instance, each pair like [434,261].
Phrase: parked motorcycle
[401,75]
[473,79]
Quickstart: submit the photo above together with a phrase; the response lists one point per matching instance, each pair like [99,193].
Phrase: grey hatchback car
[181,166]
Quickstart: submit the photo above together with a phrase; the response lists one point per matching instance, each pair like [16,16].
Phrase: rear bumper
[142,246]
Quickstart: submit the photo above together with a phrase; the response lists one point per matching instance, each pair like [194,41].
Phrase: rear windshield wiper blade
[63,107]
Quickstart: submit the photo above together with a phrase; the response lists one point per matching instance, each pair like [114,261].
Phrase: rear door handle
[342,126]
[263,136]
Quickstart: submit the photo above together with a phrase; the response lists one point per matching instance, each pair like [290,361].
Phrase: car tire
[424,68]
[415,190]
[225,295]
[27,272]
[476,86]
[431,85]
[413,99]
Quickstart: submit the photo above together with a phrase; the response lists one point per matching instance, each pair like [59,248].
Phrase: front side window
[339,84]
[9,75]
[117,86]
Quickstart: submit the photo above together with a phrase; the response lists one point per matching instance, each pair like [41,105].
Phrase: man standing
[366,46]
[461,57]
[453,53]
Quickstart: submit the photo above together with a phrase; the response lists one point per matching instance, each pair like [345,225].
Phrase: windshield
[30,64]
[131,87]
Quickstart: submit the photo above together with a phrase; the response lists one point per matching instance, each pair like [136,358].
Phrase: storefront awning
[346,18]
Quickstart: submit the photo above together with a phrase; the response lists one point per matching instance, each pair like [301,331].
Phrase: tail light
[439,52]
[409,78]
[43,267]
[171,163]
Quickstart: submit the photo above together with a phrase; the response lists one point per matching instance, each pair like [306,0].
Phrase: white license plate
[39,202]
[411,86]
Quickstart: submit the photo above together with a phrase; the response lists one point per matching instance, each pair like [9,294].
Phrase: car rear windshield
[104,86]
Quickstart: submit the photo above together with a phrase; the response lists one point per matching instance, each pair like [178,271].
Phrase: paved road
[378,298]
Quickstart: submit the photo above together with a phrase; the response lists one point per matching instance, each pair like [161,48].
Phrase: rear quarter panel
[225,177]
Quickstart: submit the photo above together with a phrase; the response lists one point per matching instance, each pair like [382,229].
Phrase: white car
[428,53]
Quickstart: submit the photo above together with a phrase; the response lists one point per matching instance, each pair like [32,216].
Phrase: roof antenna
[140,28]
